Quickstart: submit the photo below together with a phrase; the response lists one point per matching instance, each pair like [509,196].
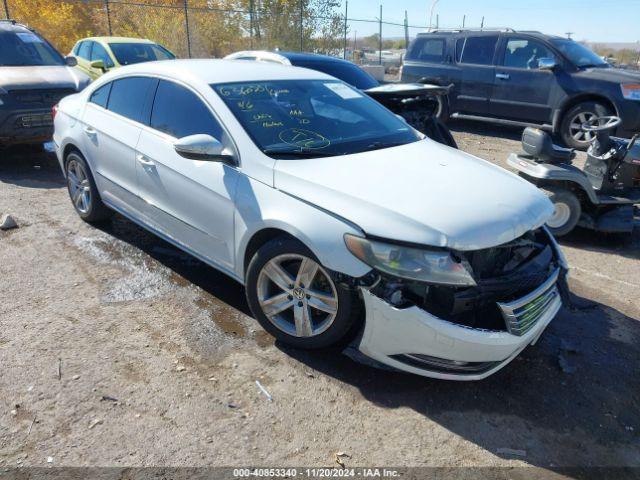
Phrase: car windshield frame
[312,125]
[32,43]
[116,47]
[573,51]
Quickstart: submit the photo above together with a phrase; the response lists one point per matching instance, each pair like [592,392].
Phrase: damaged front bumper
[411,338]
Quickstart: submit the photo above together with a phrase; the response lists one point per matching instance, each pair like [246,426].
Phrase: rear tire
[567,210]
[282,295]
[83,191]
[570,132]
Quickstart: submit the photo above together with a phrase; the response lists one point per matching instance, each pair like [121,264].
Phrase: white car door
[112,122]
[190,201]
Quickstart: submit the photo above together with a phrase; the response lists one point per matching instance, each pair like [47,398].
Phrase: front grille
[521,315]
[34,120]
[44,97]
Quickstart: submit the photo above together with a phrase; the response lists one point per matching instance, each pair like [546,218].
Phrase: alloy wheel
[297,295]
[79,188]
[575,127]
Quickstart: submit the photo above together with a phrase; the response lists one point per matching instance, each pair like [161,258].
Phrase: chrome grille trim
[522,314]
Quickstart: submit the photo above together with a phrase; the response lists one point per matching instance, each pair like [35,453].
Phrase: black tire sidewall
[347,303]
[562,195]
[585,107]
[98,210]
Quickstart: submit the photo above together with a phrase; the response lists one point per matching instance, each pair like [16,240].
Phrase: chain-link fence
[214,28]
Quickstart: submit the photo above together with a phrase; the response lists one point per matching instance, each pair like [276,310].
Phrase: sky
[592,20]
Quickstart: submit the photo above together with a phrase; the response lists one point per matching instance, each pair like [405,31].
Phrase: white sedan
[343,223]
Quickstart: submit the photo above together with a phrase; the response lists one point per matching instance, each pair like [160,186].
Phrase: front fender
[259,207]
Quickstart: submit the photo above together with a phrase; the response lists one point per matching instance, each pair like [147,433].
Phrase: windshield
[578,54]
[130,53]
[312,118]
[26,49]
[345,71]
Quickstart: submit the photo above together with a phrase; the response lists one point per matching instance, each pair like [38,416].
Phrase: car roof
[12,26]
[307,56]
[220,71]
[117,40]
[474,33]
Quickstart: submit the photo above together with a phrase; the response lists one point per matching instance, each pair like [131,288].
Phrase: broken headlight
[422,265]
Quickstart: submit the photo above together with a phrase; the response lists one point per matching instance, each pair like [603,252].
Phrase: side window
[99,53]
[524,53]
[84,50]
[479,50]
[128,97]
[101,95]
[179,112]
[428,50]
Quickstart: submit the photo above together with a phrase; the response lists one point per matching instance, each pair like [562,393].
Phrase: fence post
[251,23]
[106,8]
[6,9]
[482,24]
[406,30]
[346,15]
[464,18]
[301,26]
[186,23]
[380,39]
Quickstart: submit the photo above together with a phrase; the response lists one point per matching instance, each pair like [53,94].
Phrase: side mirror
[546,63]
[71,61]
[99,64]
[202,147]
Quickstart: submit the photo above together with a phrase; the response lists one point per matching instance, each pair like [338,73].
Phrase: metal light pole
[346,16]
[6,9]
[380,39]
[433,5]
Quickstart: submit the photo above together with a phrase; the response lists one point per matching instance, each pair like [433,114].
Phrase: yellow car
[97,55]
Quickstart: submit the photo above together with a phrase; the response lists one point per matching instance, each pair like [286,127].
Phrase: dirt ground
[116,349]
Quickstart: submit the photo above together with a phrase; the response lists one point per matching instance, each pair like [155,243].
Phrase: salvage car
[420,104]
[337,217]
[98,55]
[33,78]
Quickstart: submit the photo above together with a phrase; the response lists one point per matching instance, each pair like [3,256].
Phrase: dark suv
[33,78]
[525,78]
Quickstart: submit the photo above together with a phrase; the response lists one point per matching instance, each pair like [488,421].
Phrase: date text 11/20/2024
[316,472]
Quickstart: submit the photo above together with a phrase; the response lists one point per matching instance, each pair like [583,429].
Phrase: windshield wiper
[299,153]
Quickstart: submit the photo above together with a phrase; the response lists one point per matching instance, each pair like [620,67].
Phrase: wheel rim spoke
[302,316]
[278,275]
[276,304]
[307,272]
[323,302]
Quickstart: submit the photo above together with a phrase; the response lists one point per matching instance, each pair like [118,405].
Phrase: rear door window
[427,50]
[101,95]
[179,112]
[479,50]
[128,96]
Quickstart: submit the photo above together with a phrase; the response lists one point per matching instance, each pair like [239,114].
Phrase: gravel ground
[117,349]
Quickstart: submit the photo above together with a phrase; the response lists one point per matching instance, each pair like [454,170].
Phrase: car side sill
[174,242]
[501,121]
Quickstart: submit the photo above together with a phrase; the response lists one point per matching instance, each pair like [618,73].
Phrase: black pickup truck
[527,79]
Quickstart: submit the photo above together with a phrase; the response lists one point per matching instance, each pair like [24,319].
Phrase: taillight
[54,111]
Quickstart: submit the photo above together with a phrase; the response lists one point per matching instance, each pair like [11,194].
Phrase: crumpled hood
[27,78]
[423,192]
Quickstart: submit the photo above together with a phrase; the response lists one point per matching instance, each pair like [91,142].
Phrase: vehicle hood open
[422,192]
[41,77]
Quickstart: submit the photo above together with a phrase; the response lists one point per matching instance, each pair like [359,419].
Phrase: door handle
[143,160]
[502,76]
[90,131]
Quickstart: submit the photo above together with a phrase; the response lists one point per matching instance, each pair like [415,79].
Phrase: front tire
[295,299]
[83,191]
[567,211]
[571,126]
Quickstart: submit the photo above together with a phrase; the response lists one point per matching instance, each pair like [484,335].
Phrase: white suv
[343,222]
